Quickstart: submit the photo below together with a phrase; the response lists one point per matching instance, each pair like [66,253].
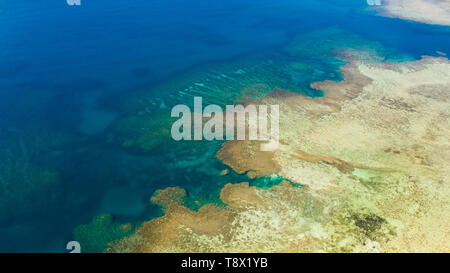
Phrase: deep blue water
[59,62]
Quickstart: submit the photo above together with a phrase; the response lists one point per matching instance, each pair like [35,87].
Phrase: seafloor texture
[372,155]
[431,12]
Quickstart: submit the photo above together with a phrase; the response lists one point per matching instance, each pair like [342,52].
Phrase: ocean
[73,78]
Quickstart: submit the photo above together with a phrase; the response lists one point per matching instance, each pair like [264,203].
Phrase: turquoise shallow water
[68,74]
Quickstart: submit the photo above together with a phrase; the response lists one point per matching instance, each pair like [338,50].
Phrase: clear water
[65,72]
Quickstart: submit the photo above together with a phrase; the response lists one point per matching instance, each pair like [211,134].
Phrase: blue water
[60,65]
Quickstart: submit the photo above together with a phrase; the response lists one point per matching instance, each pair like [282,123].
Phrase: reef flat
[372,158]
[431,12]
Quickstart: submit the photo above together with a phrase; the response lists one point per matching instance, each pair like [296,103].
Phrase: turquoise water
[69,75]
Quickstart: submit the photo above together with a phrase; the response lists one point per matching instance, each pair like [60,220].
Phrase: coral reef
[431,12]
[95,236]
[169,196]
[372,156]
